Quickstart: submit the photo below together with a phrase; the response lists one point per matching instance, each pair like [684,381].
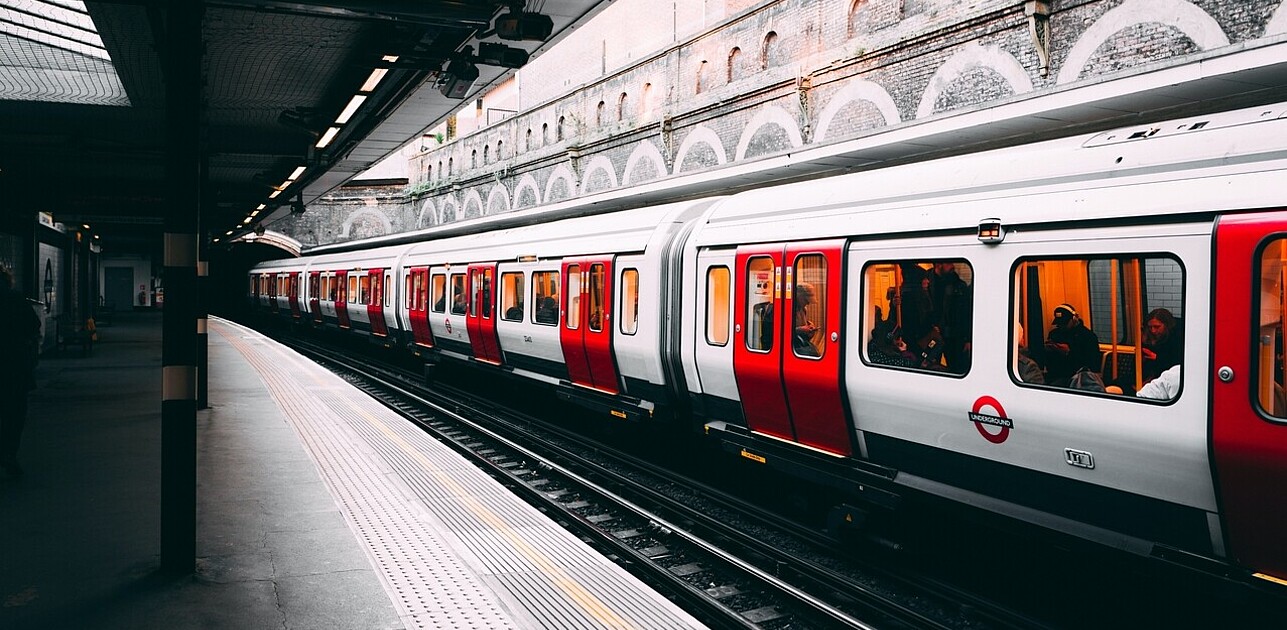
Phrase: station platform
[316,508]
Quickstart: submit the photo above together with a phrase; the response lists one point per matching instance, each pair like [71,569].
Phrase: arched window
[451,167]
[852,22]
[473,159]
[439,167]
[429,173]
[598,115]
[621,107]
[487,154]
[701,75]
[769,51]
[527,141]
[500,147]
[558,131]
[732,63]
[645,102]
[545,134]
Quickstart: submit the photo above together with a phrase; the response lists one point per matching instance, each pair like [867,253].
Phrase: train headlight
[991,231]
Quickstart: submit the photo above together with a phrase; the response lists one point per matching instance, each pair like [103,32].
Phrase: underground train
[987,329]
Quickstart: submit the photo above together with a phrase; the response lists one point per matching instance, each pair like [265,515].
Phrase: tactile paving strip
[443,533]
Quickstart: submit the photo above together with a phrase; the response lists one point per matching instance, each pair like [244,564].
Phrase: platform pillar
[182,46]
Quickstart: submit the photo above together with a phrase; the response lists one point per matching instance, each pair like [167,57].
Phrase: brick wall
[804,72]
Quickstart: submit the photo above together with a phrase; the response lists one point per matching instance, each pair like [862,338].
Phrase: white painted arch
[701,134]
[498,192]
[596,164]
[770,115]
[645,151]
[365,212]
[525,182]
[564,173]
[1185,16]
[972,56]
[858,91]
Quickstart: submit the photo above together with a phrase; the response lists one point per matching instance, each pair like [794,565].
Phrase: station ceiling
[83,98]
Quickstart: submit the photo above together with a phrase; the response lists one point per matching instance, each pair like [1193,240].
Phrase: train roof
[1228,161]
[618,232]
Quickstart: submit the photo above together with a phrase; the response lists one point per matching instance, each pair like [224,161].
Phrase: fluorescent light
[294,175]
[327,137]
[260,207]
[228,233]
[373,80]
[246,221]
[274,193]
[390,58]
[286,184]
[254,214]
[350,109]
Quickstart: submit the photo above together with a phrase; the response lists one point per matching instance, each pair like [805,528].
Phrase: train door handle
[1225,373]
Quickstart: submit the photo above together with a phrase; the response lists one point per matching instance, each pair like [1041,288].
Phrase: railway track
[731,563]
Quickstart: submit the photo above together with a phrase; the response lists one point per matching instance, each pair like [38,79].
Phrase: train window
[760,289]
[459,301]
[596,291]
[717,305]
[574,297]
[439,293]
[488,301]
[1270,362]
[388,282]
[364,288]
[314,286]
[545,297]
[630,301]
[919,314]
[1102,324]
[422,290]
[512,296]
[411,286]
[809,306]
[353,290]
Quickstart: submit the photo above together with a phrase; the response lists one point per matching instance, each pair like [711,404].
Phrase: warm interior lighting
[246,221]
[373,80]
[85,225]
[327,137]
[254,214]
[274,193]
[294,175]
[350,109]
[286,184]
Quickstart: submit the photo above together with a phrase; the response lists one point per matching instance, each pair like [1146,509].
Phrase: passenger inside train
[921,314]
[1094,339]
[545,296]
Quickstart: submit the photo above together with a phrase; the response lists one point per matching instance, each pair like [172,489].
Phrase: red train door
[342,299]
[273,281]
[586,334]
[418,311]
[787,358]
[757,353]
[314,291]
[293,295]
[375,309]
[1249,429]
[480,320]
[811,356]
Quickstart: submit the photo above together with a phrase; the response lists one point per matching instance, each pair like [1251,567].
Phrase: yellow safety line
[588,601]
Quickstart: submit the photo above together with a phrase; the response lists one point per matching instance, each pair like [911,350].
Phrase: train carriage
[573,302]
[1083,334]
[356,292]
[873,395]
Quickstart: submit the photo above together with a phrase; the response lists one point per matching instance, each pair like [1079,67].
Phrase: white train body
[883,383]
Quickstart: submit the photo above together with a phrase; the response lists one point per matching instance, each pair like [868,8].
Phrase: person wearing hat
[1070,346]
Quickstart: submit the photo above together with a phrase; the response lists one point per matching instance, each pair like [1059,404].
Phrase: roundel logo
[986,414]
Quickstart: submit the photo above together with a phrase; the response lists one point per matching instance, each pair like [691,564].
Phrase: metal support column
[182,52]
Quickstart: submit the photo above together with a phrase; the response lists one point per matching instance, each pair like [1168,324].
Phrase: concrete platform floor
[81,531]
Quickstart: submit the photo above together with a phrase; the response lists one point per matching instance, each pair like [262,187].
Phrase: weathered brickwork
[631,102]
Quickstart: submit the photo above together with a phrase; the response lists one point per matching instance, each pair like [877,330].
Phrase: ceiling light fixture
[373,80]
[327,137]
[274,193]
[350,109]
[294,175]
